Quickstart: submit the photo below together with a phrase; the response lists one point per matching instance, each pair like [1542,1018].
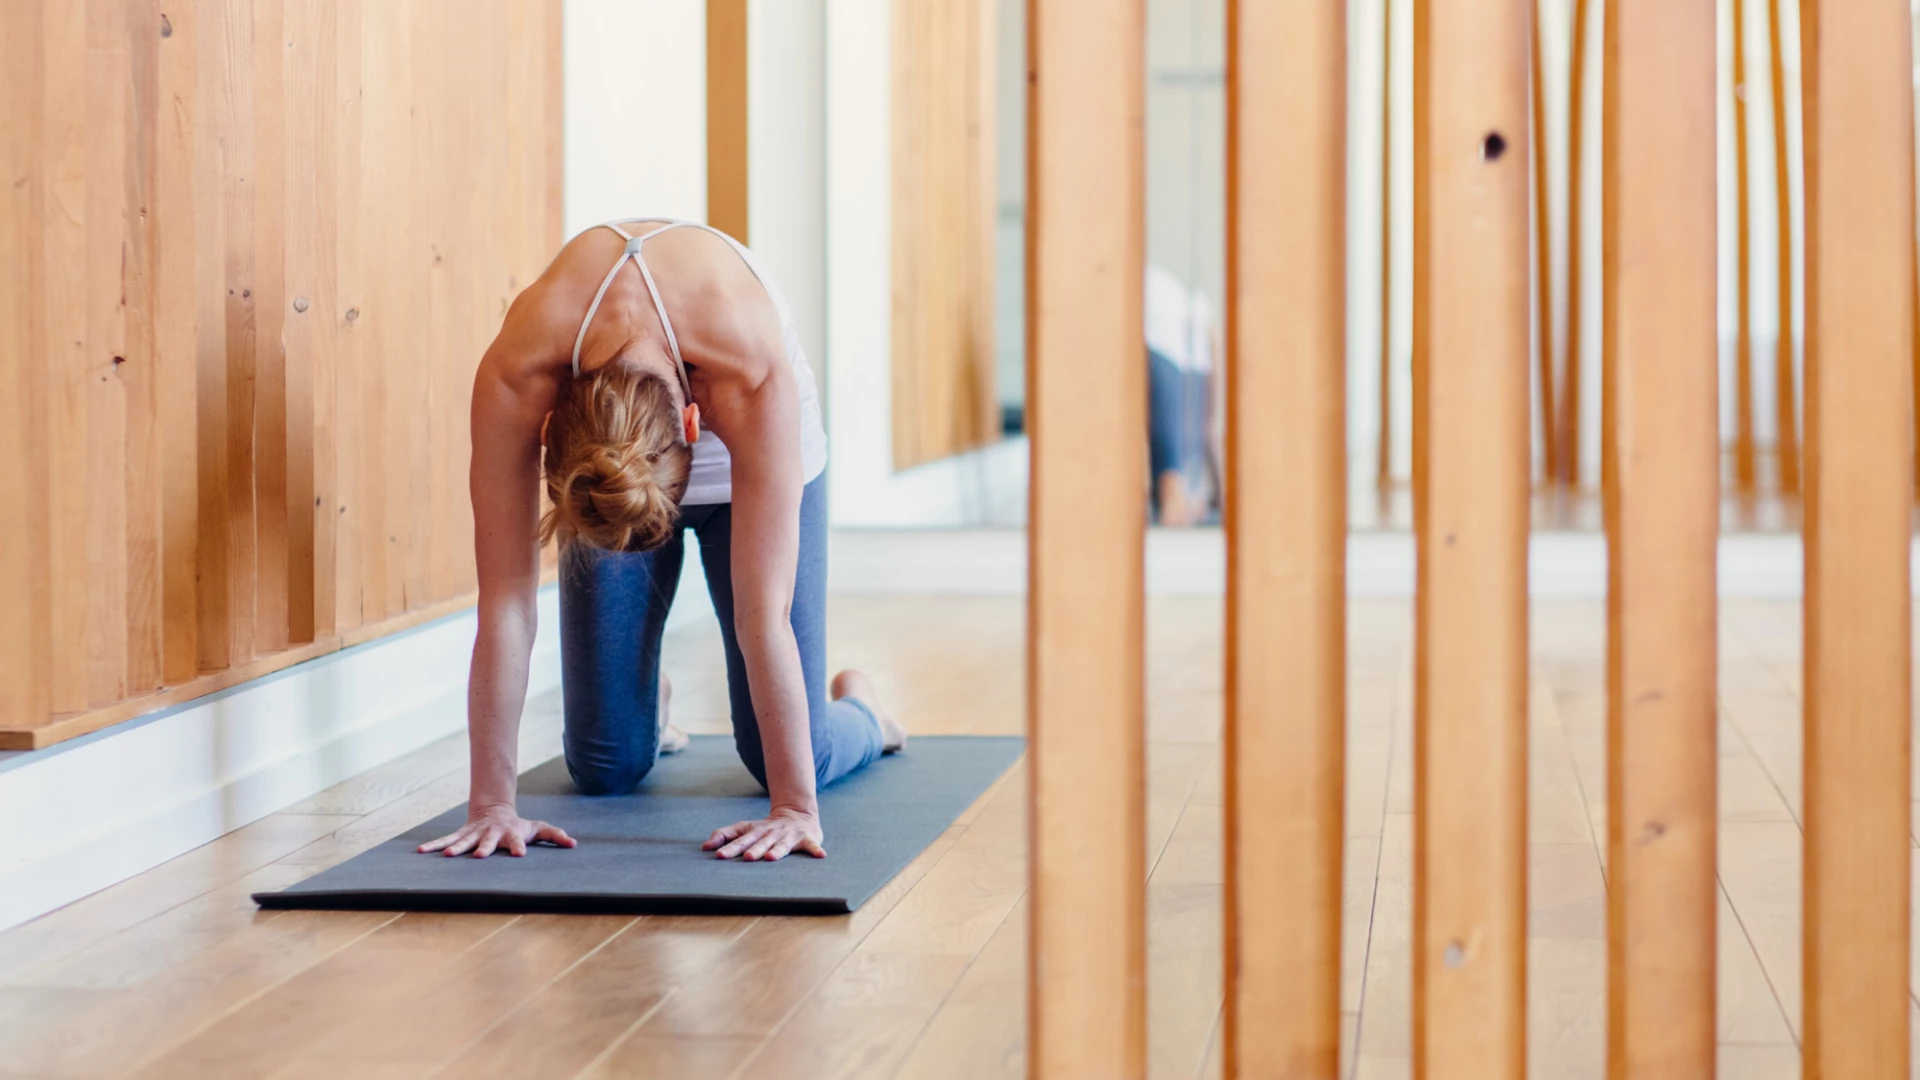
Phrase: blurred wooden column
[1859,483]
[1471,427]
[1286,535]
[1661,460]
[727,117]
[1087,416]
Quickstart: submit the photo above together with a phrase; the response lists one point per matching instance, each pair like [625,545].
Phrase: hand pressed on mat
[771,838]
[496,829]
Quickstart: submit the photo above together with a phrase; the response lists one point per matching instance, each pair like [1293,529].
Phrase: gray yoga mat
[640,853]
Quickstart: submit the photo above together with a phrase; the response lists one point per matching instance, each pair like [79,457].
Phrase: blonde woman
[659,370]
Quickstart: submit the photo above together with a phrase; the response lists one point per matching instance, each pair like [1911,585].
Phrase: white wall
[636,110]
[787,158]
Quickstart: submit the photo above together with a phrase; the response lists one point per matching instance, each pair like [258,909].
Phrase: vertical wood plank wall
[1661,464]
[1859,484]
[1286,536]
[255,252]
[943,210]
[1471,478]
[1087,408]
[727,117]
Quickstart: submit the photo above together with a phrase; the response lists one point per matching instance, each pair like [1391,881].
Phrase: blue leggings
[613,609]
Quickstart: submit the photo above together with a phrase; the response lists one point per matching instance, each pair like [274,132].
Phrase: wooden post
[1543,262]
[727,117]
[1286,535]
[1569,426]
[1745,470]
[1087,414]
[1470,511]
[1860,227]
[1786,410]
[1662,450]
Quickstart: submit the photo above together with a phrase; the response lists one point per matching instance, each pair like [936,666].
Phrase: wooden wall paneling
[1568,427]
[1542,258]
[1745,468]
[139,374]
[1286,536]
[1471,513]
[176,329]
[241,178]
[353,502]
[1785,392]
[108,121]
[386,146]
[410,363]
[488,104]
[26,689]
[727,117]
[213,112]
[1087,409]
[308,333]
[271,305]
[1860,225]
[439,87]
[1662,447]
[943,207]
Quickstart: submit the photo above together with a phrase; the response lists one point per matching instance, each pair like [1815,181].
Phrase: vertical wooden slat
[1543,259]
[439,90]
[1785,394]
[142,481]
[1745,468]
[352,500]
[1087,409]
[409,363]
[214,549]
[26,686]
[240,177]
[1471,500]
[1286,535]
[309,110]
[1568,427]
[386,150]
[727,117]
[1661,447]
[176,331]
[271,306]
[1383,472]
[108,104]
[1860,226]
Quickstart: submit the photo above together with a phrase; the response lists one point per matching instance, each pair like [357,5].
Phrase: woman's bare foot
[853,684]
[672,739]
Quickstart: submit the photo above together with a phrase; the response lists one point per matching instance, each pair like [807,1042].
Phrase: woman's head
[617,460]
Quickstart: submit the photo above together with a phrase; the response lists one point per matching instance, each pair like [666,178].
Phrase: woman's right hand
[497,828]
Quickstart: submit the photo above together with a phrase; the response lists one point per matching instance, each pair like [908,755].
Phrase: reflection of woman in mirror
[685,404]
[1183,436]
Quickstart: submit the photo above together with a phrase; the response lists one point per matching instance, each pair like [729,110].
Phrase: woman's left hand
[771,838]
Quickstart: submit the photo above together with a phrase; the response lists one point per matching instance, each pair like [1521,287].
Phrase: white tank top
[712,476]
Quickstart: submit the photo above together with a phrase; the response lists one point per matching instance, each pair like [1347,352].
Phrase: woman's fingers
[764,844]
[551,834]
[741,844]
[514,845]
[488,842]
[435,845]
[722,835]
[464,842]
[780,849]
[812,847]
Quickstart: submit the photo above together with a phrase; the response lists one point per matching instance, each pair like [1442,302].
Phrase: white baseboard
[99,809]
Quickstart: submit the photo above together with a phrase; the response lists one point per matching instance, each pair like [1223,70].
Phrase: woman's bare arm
[758,418]
[510,401]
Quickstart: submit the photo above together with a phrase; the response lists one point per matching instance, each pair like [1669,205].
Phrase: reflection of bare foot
[672,739]
[853,684]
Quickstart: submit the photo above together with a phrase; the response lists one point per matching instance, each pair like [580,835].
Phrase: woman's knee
[604,775]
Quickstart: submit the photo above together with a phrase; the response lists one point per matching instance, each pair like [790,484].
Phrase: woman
[669,394]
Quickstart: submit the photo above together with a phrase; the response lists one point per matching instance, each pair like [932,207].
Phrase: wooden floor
[176,974]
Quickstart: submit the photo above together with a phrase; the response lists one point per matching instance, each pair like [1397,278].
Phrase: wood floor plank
[1760,871]
[980,1032]
[1748,1010]
[486,984]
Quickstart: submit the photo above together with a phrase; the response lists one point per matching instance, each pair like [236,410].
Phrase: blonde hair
[617,462]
